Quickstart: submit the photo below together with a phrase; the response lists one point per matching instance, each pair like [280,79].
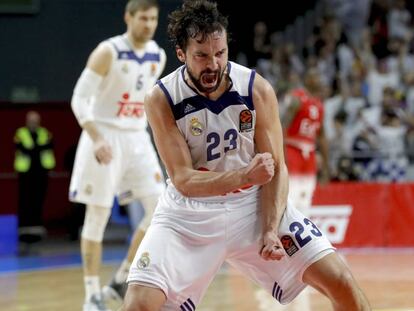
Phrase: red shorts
[298,163]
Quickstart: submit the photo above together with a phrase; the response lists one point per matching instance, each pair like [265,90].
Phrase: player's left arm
[269,138]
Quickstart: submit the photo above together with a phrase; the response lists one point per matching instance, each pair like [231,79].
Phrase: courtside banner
[365,214]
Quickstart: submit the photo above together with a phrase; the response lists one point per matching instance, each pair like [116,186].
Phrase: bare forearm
[92,131]
[274,199]
[202,184]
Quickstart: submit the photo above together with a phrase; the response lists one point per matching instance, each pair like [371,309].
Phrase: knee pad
[149,203]
[96,218]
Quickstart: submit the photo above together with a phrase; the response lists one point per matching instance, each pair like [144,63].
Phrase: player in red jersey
[303,124]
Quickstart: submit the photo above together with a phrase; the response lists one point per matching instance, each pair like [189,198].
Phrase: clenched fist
[261,169]
[272,248]
[103,152]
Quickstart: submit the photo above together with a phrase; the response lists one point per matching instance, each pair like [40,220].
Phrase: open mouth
[209,79]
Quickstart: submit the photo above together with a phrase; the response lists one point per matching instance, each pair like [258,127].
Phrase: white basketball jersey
[219,133]
[120,100]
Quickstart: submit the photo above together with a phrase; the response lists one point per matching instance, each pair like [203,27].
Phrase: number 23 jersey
[219,133]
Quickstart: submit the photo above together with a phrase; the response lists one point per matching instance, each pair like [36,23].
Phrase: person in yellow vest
[33,159]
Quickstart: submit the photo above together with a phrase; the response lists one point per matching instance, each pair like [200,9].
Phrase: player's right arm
[176,157]
[87,86]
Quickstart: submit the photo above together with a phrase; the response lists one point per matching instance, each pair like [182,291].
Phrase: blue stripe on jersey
[228,68]
[198,102]
[167,94]
[148,57]
[252,75]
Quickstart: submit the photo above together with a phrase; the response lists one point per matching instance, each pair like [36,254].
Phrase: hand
[102,151]
[272,248]
[261,169]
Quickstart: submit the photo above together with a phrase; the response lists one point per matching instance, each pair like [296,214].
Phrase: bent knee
[138,304]
[142,298]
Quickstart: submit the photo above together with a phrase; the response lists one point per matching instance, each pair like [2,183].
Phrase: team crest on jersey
[88,189]
[125,68]
[144,261]
[289,245]
[246,120]
[196,128]
[158,177]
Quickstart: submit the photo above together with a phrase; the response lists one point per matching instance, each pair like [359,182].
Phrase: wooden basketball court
[386,276]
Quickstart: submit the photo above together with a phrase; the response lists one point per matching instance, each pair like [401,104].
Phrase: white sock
[122,273]
[92,286]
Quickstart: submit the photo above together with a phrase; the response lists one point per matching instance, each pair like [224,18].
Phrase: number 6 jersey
[120,100]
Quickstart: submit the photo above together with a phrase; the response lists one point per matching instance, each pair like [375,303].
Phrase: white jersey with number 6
[120,100]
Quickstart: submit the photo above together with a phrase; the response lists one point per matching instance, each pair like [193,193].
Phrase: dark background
[47,50]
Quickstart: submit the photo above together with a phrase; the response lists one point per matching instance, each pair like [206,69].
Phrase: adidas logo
[188,108]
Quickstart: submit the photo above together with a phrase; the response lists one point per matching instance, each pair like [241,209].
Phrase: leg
[143,298]
[117,287]
[175,275]
[96,218]
[31,229]
[332,278]
[305,246]
[149,203]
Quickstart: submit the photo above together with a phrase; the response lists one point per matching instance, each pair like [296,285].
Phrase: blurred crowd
[363,51]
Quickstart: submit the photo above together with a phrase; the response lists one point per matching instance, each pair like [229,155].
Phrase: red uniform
[302,133]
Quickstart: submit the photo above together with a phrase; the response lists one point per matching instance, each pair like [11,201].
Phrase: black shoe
[114,291]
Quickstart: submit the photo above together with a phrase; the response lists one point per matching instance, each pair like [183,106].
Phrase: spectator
[34,158]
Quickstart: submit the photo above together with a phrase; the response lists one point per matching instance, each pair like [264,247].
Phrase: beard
[207,75]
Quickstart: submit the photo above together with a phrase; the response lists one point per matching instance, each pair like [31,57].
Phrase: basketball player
[217,129]
[303,123]
[115,154]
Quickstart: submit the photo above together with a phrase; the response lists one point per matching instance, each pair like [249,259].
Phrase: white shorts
[188,241]
[301,188]
[134,171]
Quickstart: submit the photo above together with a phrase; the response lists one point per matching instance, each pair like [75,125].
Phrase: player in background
[304,133]
[115,155]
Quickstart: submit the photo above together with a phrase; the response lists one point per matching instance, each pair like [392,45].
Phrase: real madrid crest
[196,128]
[144,261]
[125,68]
[88,189]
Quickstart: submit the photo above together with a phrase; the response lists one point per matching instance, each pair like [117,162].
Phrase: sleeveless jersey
[306,124]
[120,99]
[219,133]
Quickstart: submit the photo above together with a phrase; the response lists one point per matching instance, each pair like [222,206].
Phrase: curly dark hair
[195,18]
